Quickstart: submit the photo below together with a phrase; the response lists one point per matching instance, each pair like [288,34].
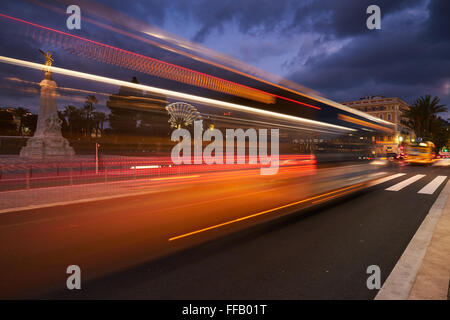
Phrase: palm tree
[98,118]
[422,115]
[88,110]
[440,134]
[74,119]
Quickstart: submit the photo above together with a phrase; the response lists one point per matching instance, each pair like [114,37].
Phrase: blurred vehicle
[421,153]
[391,156]
[391,150]
[401,156]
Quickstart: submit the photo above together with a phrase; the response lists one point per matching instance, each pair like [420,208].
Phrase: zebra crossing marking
[399,186]
[381,180]
[431,187]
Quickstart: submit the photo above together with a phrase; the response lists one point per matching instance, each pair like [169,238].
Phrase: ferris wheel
[182,114]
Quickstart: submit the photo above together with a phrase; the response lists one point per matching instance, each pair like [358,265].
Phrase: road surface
[321,255]
[162,245]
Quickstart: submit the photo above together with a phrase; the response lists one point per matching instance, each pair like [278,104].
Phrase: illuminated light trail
[170,93]
[362,123]
[145,167]
[175,178]
[125,58]
[314,97]
[131,23]
[264,212]
[336,195]
[199,79]
[276,125]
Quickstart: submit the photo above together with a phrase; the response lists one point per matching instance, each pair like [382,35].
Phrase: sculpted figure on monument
[52,125]
[48,57]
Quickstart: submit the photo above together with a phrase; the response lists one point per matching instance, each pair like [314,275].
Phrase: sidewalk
[433,278]
[423,270]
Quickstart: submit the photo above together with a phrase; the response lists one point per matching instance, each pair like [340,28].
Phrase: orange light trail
[202,81]
[362,122]
[174,178]
[262,213]
[335,196]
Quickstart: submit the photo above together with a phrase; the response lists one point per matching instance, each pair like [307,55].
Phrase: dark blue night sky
[324,44]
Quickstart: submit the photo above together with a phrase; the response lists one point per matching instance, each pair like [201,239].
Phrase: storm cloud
[324,45]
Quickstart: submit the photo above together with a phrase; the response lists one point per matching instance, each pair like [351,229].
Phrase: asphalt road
[151,219]
[321,253]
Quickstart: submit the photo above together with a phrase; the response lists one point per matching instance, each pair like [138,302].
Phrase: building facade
[392,109]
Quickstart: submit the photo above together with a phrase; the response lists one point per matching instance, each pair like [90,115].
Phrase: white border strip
[433,185]
[388,178]
[401,185]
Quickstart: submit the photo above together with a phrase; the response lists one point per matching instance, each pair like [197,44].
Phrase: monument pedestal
[47,140]
[45,147]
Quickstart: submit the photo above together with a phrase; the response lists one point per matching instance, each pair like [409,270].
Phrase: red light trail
[257,94]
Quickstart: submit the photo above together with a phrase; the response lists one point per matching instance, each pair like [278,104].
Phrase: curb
[400,282]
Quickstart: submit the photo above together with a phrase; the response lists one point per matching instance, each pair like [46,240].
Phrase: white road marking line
[379,181]
[405,183]
[433,185]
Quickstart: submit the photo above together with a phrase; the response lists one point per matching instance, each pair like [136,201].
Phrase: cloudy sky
[321,44]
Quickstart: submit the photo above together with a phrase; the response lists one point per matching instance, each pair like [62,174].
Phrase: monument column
[47,140]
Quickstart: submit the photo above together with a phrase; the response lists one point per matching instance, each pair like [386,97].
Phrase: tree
[98,119]
[21,113]
[7,125]
[30,123]
[422,116]
[439,133]
[74,118]
[88,110]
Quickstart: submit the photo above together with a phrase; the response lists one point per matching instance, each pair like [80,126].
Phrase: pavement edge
[400,282]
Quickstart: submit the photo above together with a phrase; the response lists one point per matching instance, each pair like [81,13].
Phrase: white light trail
[169,93]
[145,167]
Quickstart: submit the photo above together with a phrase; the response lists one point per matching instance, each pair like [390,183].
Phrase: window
[389,117]
[381,116]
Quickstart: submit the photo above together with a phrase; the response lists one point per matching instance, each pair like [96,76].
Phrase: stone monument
[47,140]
